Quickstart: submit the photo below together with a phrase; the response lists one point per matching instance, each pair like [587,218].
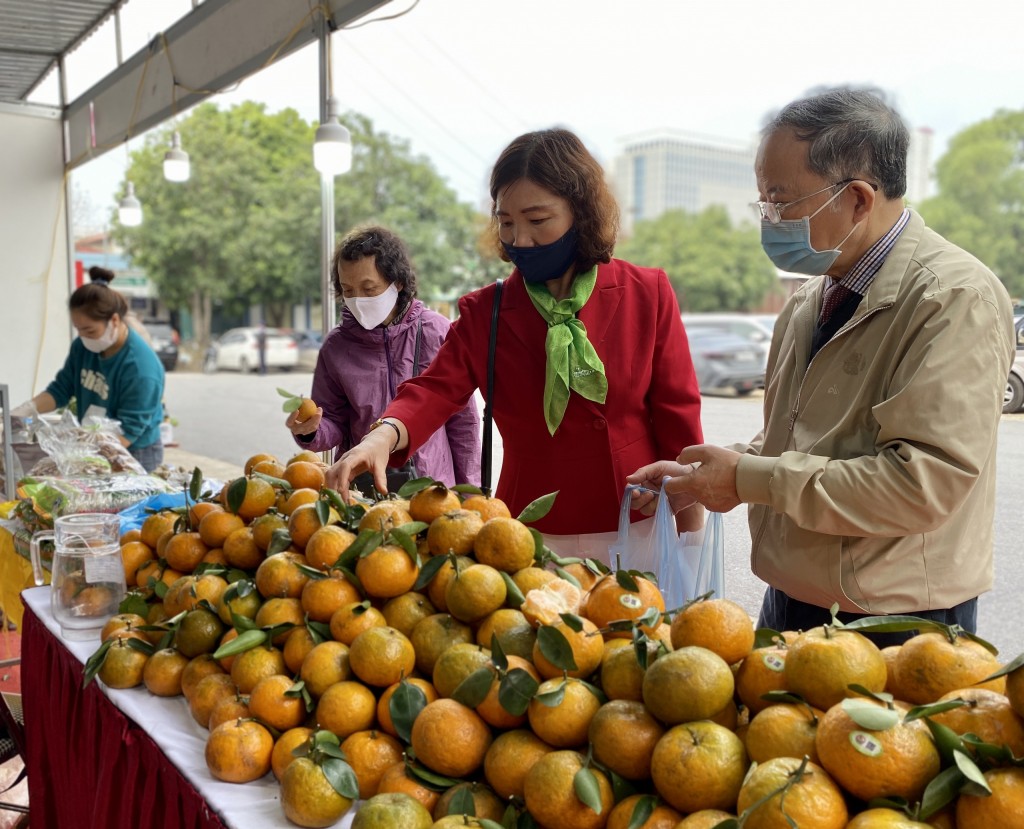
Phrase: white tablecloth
[168,722]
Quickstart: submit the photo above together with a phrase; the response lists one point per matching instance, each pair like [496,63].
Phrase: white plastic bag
[633,550]
[699,564]
[687,565]
[711,574]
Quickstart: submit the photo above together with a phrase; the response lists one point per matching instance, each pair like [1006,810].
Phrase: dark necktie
[834,296]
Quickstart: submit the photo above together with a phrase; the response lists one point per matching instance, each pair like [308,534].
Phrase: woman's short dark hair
[97,300]
[391,260]
[556,160]
[853,134]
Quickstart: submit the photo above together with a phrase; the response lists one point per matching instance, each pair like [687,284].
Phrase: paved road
[229,417]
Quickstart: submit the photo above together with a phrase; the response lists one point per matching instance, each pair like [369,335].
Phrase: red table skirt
[88,764]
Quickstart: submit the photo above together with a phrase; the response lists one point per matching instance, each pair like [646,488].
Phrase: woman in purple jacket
[374,349]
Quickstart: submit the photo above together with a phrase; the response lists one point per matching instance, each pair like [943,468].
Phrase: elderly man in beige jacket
[872,483]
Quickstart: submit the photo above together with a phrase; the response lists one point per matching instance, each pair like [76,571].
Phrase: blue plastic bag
[132,517]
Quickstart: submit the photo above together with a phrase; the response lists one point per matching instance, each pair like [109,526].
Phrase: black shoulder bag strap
[416,349]
[485,455]
[410,464]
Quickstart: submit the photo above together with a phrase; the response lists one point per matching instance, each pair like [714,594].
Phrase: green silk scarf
[572,362]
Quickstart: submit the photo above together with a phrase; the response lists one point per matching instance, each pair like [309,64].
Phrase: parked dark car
[1013,399]
[724,360]
[164,340]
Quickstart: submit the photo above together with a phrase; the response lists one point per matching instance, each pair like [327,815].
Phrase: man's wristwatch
[382,422]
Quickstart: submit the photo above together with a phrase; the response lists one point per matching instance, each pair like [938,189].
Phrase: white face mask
[104,341]
[371,311]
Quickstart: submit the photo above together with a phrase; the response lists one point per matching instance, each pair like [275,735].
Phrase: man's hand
[711,479]
[650,478]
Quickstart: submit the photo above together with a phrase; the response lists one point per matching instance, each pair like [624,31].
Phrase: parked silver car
[750,327]
[724,360]
[239,349]
[309,348]
[754,327]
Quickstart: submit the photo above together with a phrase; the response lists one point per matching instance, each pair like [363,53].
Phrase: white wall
[35,281]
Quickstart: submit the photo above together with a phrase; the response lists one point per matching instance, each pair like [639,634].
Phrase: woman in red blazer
[592,372]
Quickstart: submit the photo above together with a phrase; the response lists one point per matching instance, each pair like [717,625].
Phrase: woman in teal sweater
[110,371]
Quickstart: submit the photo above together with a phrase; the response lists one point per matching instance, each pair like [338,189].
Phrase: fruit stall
[284,656]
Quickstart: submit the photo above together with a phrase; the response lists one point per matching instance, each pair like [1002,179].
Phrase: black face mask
[544,262]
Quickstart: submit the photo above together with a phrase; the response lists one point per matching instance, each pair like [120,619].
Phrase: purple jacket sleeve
[463,432]
[328,393]
[462,429]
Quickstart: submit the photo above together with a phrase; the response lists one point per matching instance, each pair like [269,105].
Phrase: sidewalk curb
[210,467]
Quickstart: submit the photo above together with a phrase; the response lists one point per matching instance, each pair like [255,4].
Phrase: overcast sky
[461,78]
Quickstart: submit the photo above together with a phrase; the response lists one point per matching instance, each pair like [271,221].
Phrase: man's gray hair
[853,133]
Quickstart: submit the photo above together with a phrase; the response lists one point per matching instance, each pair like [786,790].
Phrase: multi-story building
[919,160]
[672,170]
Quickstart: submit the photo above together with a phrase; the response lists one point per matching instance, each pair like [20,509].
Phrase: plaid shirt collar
[863,272]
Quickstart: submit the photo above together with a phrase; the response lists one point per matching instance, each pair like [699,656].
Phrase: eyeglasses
[772,211]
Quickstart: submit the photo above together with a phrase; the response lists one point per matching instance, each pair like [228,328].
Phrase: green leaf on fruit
[404,706]
[195,486]
[410,488]
[428,571]
[514,597]
[536,510]
[341,777]
[642,810]
[588,792]
[941,791]
[474,688]
[516,690]
[625,580]
[556,648]
[236,494]
[970,770]
[134,603]
[95,662]
[552,698]
[569,577]
[462,803]
[870,716]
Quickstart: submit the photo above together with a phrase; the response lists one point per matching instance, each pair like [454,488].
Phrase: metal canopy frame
[36,34]
[217,44]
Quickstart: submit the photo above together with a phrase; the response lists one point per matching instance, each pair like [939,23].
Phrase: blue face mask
[543,262]
[788,244]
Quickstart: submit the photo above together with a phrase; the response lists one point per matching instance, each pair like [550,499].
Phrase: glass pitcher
[87,573]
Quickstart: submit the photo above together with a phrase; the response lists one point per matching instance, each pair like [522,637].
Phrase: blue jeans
[149,456]
[781,612]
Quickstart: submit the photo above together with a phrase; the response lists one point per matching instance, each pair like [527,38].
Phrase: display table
[105,758]
[15,576]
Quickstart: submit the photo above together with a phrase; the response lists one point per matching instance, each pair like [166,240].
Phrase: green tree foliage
[712,265]
[980,205]
[244,230]
[390,186]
